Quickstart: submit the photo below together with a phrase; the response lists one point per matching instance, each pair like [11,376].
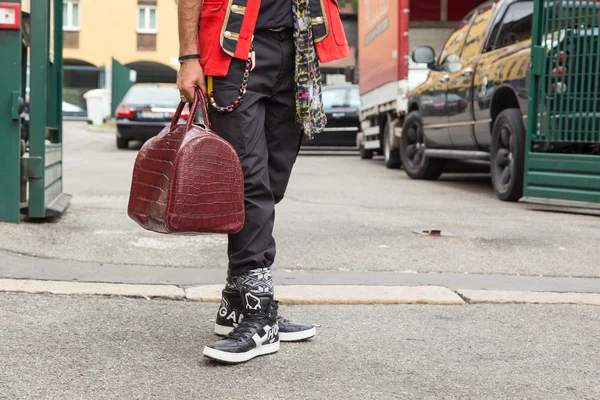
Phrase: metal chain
[243,88]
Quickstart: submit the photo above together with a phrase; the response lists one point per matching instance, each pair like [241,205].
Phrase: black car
[145,111]
[342,106]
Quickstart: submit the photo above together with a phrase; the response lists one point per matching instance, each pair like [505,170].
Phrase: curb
[309,295]
[506,297]
[343,294]
[306,294]
[88,288]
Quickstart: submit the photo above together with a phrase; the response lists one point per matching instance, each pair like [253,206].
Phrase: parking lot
[340,214]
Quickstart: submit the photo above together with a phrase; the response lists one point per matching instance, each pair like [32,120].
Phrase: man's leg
[252,254]
[284,138]
[250,251]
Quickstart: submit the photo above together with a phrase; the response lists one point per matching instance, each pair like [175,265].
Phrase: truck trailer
[386,73]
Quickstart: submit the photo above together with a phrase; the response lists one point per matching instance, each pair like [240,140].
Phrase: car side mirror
[424,55]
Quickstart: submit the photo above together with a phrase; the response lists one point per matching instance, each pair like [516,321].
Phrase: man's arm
[188,15]
[190,73]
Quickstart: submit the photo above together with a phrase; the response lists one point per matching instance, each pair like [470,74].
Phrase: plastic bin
[98,105]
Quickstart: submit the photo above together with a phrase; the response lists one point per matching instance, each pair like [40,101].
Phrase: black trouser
[264,133]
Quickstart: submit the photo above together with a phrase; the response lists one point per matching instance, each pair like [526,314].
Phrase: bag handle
[199,99]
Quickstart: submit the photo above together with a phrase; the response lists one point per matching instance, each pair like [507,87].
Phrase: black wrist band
[189,57]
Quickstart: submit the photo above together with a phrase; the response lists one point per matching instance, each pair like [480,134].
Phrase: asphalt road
[58,347]
[340,213]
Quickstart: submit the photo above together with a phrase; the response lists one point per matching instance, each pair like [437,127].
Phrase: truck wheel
[364,153]
[122,143]
[412,151]
[390,154]
[508,155]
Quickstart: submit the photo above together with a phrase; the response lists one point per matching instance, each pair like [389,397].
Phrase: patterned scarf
[309,106]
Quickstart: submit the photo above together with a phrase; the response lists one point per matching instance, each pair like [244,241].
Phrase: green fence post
[55,74]
[10,127]
[37,118]
[534,80]
[44,165]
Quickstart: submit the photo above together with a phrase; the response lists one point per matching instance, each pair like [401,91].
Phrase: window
[71,15]
[334,98]
[478,32]
[516,25]
[455,42]
[158,94]
[354,98]
[147,19]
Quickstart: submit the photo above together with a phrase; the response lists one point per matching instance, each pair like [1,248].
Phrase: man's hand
[190,77]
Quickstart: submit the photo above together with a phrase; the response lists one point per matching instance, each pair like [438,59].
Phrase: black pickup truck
[474,102]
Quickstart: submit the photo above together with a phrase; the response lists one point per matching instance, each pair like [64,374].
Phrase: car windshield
[152,95]
[354,98]
[335,98]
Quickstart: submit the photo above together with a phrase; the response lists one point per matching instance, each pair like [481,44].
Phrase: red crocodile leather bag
[188,180]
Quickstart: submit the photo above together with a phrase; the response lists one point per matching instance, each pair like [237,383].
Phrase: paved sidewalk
[62,347]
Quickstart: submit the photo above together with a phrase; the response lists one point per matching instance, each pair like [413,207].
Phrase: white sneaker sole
[235,358]
[223,330]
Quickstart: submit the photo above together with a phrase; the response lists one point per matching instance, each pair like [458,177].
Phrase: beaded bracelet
[243,87]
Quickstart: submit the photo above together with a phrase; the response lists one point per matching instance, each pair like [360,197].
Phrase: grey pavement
[61,347]
[341,214]
[24,267]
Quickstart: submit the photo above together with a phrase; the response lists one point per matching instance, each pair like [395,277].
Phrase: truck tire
[390,154]
[508,155]
[412,151]
[364,153]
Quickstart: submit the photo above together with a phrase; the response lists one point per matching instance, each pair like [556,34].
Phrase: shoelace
[252,321]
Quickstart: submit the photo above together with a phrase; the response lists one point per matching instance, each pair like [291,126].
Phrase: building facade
[130,31]
[140,34]
[143,36]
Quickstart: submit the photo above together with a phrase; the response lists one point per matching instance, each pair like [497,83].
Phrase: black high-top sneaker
[257,334]
[230,314]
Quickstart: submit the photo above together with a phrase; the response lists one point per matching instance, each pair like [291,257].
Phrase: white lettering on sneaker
[232,316]
[224,307]
[269,336]
[272,333]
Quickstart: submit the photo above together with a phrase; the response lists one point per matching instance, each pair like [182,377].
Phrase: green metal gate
[563,139]
[122,80]
[31,136]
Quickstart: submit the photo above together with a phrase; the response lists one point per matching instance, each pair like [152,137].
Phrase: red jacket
[227,26]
